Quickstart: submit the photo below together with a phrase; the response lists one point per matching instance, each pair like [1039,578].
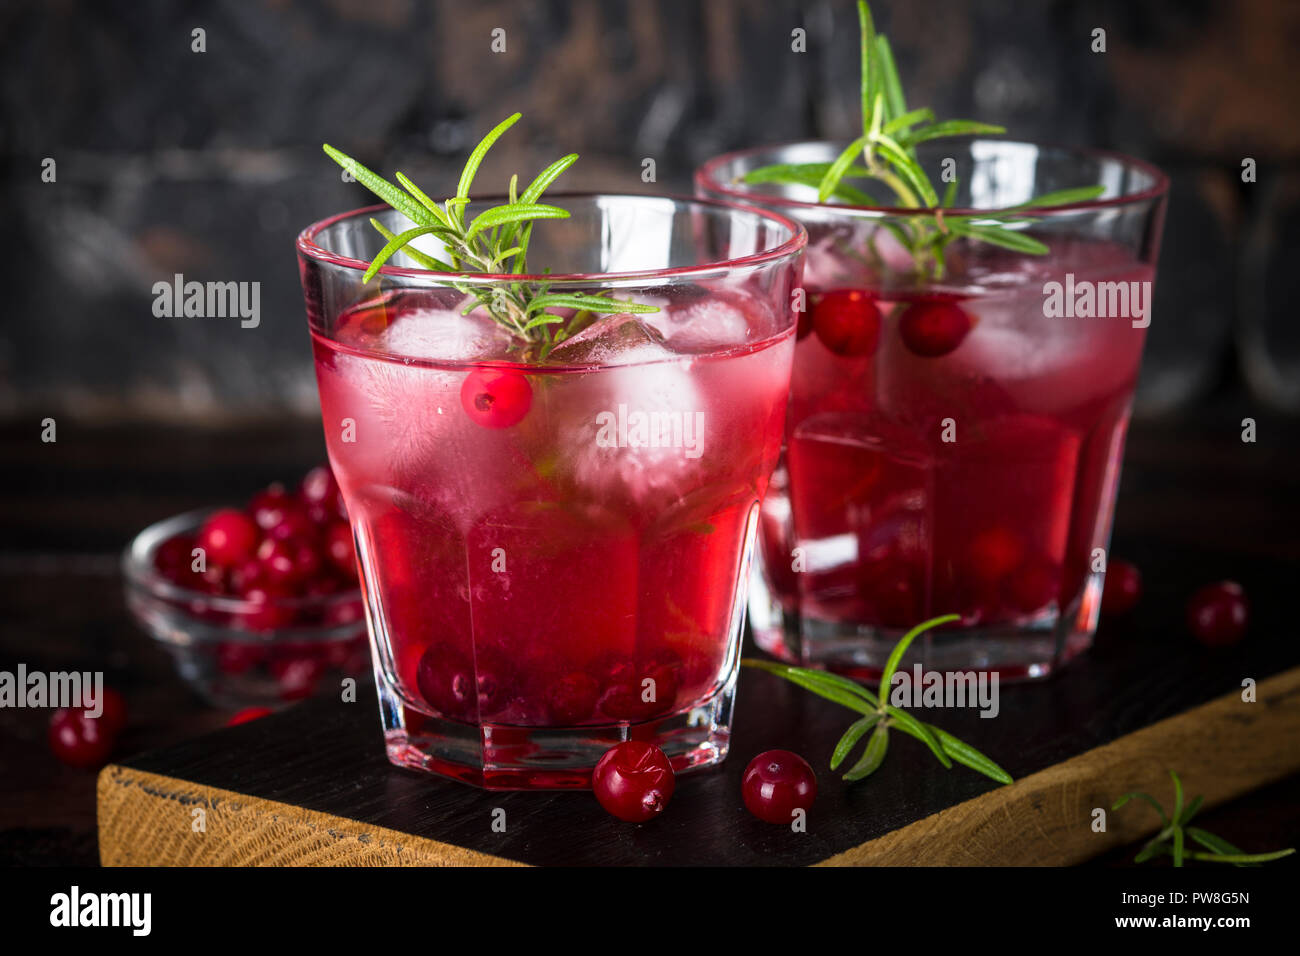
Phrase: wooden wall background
[208,164]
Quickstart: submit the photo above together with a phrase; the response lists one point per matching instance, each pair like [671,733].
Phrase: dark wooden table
[1196,505]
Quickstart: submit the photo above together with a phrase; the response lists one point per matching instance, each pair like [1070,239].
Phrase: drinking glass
[554,543]
[956,426]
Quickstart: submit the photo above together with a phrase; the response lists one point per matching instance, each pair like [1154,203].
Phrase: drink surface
[961,455]
[554,544]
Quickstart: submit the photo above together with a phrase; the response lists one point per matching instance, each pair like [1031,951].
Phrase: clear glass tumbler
[956,426]
[554,549]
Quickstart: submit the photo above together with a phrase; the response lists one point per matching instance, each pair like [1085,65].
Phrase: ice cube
[445,335]
[720,320]
[620,339]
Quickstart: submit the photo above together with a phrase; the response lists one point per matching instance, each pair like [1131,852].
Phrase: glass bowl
[238,653]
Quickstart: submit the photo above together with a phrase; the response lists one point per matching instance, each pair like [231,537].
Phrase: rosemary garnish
[886,152]
[495,241]
[879,716]
[1172,838]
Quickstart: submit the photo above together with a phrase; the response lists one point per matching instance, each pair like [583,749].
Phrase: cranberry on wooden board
[634,781]
[776,784]
[1218,614]
[80,741]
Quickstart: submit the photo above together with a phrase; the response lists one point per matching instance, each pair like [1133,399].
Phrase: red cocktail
[955,431]
[554,541]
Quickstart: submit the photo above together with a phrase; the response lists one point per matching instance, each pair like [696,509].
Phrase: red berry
[572,698]
[456,686]
[932,329]
[78,740]
[847,321]
[343,612]
[173,557]
[247,714]
[113,712]
[993,554]
[1121,589]
[277,560]
[263,609]
[268,506]
[296,675]
[496,398]
[320,492]
[340,548]
[634,781]
[228,537]
[294,524]
[1033,585]
[1218,614]
[777,783]
[239,657]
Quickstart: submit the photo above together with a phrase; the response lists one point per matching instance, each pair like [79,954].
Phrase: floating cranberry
[1121,589]
[572,698]
[1033,585]
[228,537]
[994,553]
[634,781]
[496,398]
[248,714]
[776,784]
[341,549]
[1218,614]
[932,329]
[456,686]
[268,506]
[847,321]
[78,740]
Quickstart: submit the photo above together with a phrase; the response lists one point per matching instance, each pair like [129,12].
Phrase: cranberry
[847,321]
[634,781]
[933,329]
[1121,589]
[294,524]
[341,549]
[1218,614]
[78,740]
[263,610]
[247,714]
[228,537]
[307,561]
[113,712]
[173,557]
[320,492]
[249,575]
[572,698]
[459,687]
[268,506]
[994,553]
[776,783]
[239,657]
[496,398]
[296,674]
[338,613]
[277,559]
[1033,585]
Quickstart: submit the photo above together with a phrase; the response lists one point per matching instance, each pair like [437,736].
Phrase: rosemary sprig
[495,241]
[879,717]
[886,152]
[1172,838]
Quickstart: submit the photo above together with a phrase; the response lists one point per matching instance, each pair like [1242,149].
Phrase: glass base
[1028,650]
[501,757]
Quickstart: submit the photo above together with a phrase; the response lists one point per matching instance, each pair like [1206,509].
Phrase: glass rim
[308,247]
[705,178]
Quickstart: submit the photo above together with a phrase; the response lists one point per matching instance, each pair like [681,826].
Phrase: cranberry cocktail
[554,530]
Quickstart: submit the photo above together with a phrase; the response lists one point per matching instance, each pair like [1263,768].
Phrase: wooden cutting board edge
[1046,818]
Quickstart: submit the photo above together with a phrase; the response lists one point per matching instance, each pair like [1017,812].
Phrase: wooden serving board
[311,786]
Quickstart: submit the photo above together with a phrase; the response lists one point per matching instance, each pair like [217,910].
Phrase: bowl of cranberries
[259,605]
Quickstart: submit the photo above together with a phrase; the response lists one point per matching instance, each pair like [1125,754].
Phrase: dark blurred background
[208,163]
